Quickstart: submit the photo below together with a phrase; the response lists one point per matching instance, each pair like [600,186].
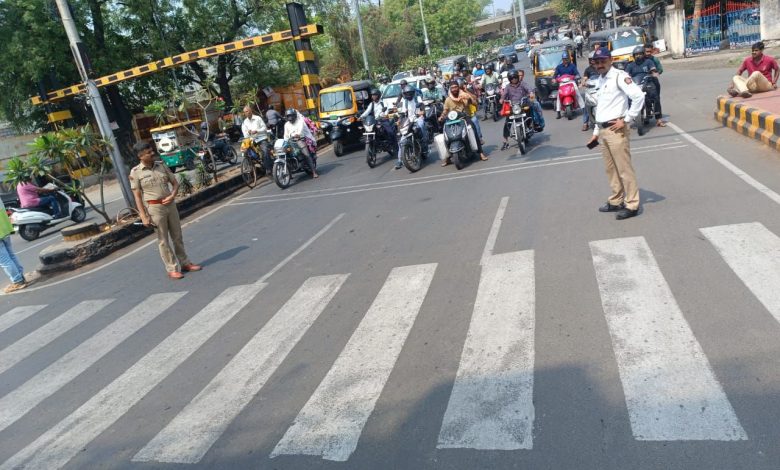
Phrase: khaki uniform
[154,184]
[617,160]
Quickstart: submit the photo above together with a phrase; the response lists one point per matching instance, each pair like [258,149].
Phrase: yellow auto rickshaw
[177,143]
[340,107]
[544,58]
[621,43]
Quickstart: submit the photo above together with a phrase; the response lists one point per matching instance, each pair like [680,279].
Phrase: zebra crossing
[671,391]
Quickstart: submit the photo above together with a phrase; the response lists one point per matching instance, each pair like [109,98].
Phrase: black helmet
[639,50]
[501,57]
[291,115]
[488,68]
[403,83]
[375,91]
[430,81]
[460,82]
[408,92]
[513,74]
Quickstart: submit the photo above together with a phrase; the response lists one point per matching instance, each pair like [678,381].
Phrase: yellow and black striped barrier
[752,122]
[191,56]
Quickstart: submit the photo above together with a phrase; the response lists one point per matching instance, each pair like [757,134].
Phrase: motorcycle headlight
[516,109]
[404,129]
[452,115]
[543,81]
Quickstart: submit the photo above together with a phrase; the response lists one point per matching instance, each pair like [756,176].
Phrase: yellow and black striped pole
[307,62]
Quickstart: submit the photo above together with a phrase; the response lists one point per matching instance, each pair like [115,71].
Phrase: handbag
[506,109]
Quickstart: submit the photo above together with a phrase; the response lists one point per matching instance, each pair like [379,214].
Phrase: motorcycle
[212,152]
[460,139]
[30,222]
[432,111]
[521,124]
[649,86]
[567,92]
[376,140]
[491,101]
[589,97]
[410,143]
[255,152]
[288,161]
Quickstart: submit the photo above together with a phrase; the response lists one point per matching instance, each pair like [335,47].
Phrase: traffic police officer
[613,117]
[151,182]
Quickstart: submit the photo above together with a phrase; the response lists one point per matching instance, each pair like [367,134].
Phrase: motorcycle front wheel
[458,158]
[371,154]
[248,172]
[412,156]
[281,175]
[232,156]
[569,112]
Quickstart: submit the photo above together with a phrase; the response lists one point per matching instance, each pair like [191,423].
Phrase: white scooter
[30,222]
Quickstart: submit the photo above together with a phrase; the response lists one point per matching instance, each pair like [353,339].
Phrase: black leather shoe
[626,213]
[610,208]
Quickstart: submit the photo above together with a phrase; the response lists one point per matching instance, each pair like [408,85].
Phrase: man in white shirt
[579,40]
[296,129]
[253,125]
[613,119]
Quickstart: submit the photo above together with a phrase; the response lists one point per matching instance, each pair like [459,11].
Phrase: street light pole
[523,24]
[96,102]
[425,31]
[362,39]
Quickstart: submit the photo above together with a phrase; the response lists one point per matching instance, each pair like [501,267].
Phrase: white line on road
[332,420]
[57,446]
[753,253]
[191,434]
[28,248]
[671,392]
[457,176]
[494,229]
[727,164]
[44,335]
[491,405]
[23,399]
[15,315]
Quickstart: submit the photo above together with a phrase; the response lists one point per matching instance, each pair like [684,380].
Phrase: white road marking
[197,427]
[23,399]
[727,164]
[457,176]
[332,420]
[493,235]
[674,144]
[16,352]
[301,248]
[753,253]
[57,446]
[671,392]
[491,406]
[15,315]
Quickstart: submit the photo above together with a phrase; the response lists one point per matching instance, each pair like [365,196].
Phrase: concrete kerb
[748,121]
[69,256]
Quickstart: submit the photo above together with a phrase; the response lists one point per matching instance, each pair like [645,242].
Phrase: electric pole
[425,31]
[362,39]
[514,15]
[523,24]
[95,101]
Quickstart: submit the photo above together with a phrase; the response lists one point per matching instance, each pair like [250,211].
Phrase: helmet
[501,57]
[639,50]
[382,78]
[403,83]
[460,81]
[488,68]
[430,81]
[565,55]
[376,92]
[408,91]
[291,115]
[513,74]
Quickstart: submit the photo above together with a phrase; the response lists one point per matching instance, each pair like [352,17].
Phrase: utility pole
[362,39]
[93,96]
[425,31]
[523,24]
[514,15]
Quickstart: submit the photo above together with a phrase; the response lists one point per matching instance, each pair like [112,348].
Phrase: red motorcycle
[567,94]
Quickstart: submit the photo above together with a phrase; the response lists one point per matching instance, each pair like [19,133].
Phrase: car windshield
[549,60]
[506,50]
[626,39]
[335,101]
[392,90]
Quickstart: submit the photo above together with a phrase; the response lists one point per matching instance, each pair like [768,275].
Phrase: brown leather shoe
[175,275]
[191,267]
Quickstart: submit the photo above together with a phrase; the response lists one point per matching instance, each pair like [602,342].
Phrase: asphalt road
[485,318]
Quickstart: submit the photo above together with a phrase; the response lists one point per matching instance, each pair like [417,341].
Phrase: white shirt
[410,106]
[578,39]
[299,128]
[377,107]
[254,125]
[614,90]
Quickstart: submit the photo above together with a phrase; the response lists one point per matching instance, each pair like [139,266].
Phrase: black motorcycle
[521,124]
[491,101]
[376,140]
[411,143]
[432,111]
[217,150]
[649,86]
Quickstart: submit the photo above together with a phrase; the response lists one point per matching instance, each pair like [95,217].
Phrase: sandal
[660,124]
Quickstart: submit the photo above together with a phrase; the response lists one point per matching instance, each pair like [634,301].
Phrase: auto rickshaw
[621,43]
[177,143]
[447,65]
[339,110]
[544,58]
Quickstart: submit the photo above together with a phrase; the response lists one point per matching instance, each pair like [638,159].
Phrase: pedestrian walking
[8,261]
[613,117]
[155,188]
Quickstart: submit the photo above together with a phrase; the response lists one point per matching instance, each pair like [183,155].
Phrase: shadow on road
[225,255]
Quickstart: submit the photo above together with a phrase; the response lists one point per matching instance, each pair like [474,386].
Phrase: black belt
[606,124]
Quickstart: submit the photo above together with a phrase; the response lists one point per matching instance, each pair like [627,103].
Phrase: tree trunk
[223,81]
[694,34]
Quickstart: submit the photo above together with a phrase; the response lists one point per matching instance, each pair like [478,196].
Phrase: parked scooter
[289,160]
[567,93]
[30,222]
[460,139]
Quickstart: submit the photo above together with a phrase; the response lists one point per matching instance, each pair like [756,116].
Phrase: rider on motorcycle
[589,73]
[296,128]
[514,93]
[432,92]
[642,69]
[460,102]
[383,81]
[566,67]
[215,140]
[380,112]
[478,71]
[411,104]
[506,64]
[489,77]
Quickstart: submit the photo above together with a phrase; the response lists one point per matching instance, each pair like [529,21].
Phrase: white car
[393,89]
